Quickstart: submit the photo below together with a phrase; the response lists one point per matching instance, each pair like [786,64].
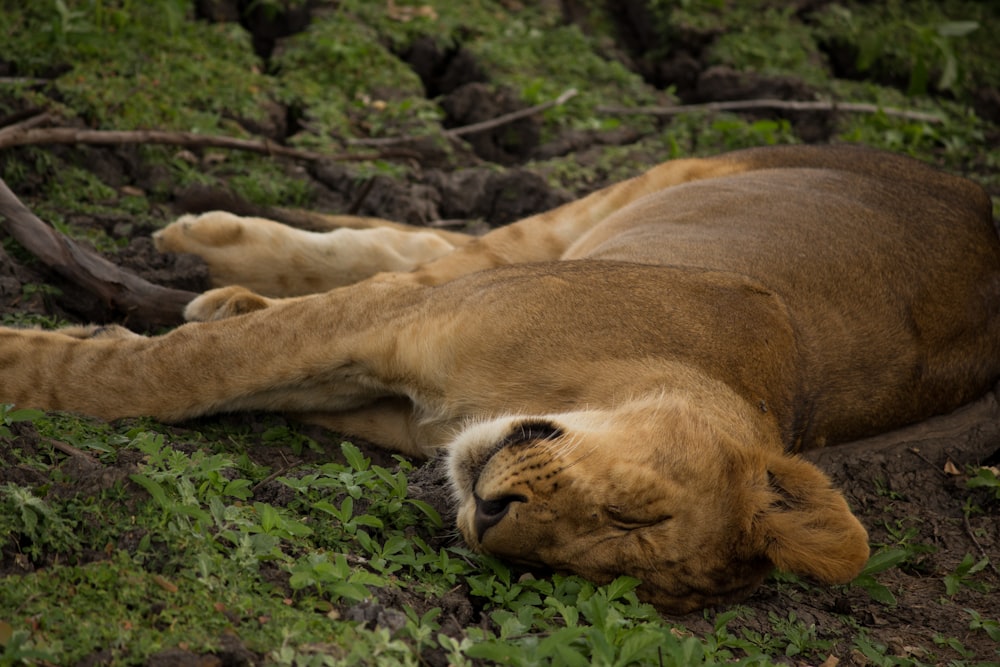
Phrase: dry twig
[982,552]
[22,81]
[791,105]
[27,133]
[475,127]
[70,450]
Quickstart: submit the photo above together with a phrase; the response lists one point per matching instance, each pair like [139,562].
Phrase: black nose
[490,512]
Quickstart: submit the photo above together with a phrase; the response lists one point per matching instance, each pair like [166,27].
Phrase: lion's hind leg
[277,260]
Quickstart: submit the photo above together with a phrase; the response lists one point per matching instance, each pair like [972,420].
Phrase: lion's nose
[490,512]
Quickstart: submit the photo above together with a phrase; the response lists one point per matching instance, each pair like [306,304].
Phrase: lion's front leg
[325,353]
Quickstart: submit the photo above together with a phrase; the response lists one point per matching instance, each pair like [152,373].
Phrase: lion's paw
[194,233]
[253,252]
[224,302]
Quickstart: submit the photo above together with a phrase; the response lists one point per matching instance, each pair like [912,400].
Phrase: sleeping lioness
[621,384]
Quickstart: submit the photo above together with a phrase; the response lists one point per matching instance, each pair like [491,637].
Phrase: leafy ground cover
[250,540]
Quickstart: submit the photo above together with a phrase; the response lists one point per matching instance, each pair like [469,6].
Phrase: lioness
[621,384]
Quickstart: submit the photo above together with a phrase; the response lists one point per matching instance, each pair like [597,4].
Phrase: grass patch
[182,552]
[190,540]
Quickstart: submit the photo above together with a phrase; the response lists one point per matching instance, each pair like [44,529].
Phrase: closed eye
[623,519]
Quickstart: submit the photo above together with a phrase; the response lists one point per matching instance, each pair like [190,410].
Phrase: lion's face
[658,494]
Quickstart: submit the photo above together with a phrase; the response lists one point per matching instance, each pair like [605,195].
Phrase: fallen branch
[143,304]
[70,450]
[26,133]
[792,105]
[499,121]
[22,122]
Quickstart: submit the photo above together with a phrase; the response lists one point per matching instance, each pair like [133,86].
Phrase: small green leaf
[885,559]
[354,457]
[269,518]
[238,488]
[23,415]
[368,520]
[881,594]
[622,586]
[428,511]
[957,28]
[153,488]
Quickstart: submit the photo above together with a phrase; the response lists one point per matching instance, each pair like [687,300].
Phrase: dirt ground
[907,487]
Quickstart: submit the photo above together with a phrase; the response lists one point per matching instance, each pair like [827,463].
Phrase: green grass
[180,553]
[201,541]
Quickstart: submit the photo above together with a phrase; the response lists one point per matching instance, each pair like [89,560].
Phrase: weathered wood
[139,303]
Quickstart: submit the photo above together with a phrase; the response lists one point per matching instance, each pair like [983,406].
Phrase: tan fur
[620,384]
[280,261]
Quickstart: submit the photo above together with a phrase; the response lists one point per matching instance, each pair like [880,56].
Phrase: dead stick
[273,476]
[23,136]
[741,105]
[22,81]
[513,116]
[70,450]
[144,304]
[475,127]
[982,551]
[23,121]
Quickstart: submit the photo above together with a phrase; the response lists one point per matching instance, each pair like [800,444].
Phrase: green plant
[880,561]
[8,416]
[988,625]
[798,637]
[918,42]
[335,579]
[223,514]
[924,48]
[962,576]
[18,648]
[27,320]
[985,478]
[33,526]
[954,644]
[768,43]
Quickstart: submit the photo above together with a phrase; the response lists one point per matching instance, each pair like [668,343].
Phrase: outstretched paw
[224,302]
[276,260]
[195,233]
[237,250]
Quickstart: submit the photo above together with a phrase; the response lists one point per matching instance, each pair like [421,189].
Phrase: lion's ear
[803,525]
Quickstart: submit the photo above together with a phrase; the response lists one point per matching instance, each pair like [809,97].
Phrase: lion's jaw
[652,490]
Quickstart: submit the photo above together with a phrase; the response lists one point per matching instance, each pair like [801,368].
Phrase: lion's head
[653,490]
